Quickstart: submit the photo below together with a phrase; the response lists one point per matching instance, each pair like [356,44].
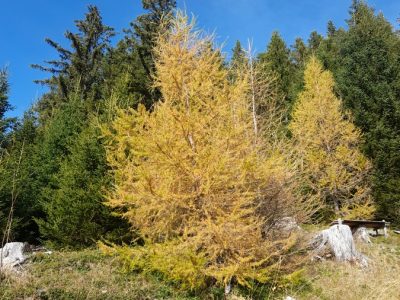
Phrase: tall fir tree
[368,81]
[18,184]
[5,106]
[131,66]
[238,56]
[299,55]
[331,29]
[75,215]
[328,51]
[314,41]
[277,60]
[79,69]
[71,169]
[238,61]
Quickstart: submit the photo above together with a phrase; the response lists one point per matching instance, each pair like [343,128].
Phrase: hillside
[88,274]
[156,165]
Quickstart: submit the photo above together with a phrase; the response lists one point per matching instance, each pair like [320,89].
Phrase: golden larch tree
[190,175]
[328,144]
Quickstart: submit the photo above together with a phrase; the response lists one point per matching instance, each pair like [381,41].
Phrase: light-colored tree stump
[338,240]
[12,255]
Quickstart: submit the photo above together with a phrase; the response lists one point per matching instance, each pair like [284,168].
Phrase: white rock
[12,255]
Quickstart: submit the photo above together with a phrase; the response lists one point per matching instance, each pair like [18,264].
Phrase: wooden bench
[355,224]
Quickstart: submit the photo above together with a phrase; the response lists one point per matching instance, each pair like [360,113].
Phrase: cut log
[338,240]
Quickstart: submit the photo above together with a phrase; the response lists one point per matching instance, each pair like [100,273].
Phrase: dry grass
[90,275]
[381,280]
[84,275]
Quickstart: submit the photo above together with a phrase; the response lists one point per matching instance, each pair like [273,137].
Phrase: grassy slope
[89,275]
[381,280]
[83,275]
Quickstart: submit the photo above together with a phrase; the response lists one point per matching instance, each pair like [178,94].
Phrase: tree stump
[338,240]
[12,255]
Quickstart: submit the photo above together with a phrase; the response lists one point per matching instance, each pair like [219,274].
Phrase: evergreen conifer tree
[238,56]
[329,49]
[5,122]
[132,65]
[368,81]
[299,56]
[277,60]
[75,215]
[314,41]
[78,69]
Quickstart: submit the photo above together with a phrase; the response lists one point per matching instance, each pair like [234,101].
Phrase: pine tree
[79,69]
[331,29]
[299,56]
[14,170]
[368,82]
[18,184]
[314,41]
[277,60]
[132,65]
[238,56]
[189,174]
[70,163]
[52,144]
[300,53]
[328,51]
[75,215]
[5,123]
[147,26]
[329,146]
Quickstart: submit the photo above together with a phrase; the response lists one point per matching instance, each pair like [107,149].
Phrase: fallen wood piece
[396,231]
[338,240]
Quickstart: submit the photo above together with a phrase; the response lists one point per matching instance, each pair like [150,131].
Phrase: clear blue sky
[25,24]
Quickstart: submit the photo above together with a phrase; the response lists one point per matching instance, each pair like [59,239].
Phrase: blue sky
[25,24]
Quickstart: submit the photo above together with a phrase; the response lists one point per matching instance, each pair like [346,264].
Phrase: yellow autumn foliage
[328,144]
[191,177]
